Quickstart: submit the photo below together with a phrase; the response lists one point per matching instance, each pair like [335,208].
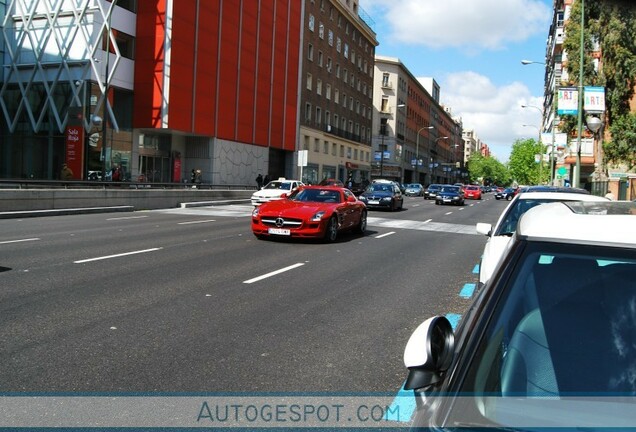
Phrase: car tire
[331,232]
[362,225]
[509,198]
[436,202]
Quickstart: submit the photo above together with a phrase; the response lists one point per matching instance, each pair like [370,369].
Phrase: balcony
[342,133]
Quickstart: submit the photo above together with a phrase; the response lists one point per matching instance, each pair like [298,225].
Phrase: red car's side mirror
[351,199]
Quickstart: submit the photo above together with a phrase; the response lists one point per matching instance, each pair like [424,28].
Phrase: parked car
[274,190]
[549,342]
[472,192]
[311,212]
[431,191]
[499,235]
[450,194]
[414,189]
[507,194]
[383,194]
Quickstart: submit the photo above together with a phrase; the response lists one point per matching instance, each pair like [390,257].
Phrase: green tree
[487,170]
[522,165]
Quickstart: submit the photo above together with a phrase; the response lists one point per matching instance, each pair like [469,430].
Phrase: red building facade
[216,86]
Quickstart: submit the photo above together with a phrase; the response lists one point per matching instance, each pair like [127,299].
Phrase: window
[318,116]
[316,145]
[319,86]
[311,22]
[334,149]
[321,31]
[385,80]
[306,143]
[346,50]
[328,91]
[325,147]
[335,121]
[336,96]
[346,76]
[384,106]
[307,112]
[330,38]
[310,52]
[338,45]
[337,70]
[320,58]
[329,64]
[309,82]
[341,150]
[351,103]
[328,119]
[344,100]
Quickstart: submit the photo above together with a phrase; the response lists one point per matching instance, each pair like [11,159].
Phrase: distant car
[506,194]
[549,342]
[431,191]
[472,192]
[450,194]
[311,212]
[331,182]
[385,195]
[275,190]
[414,189]
[499,235]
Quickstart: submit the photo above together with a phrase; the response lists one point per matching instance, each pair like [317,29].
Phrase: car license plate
[374,202]
[447,200]
[278,231]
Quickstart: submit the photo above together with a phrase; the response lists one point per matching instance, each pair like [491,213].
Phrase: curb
[64,212]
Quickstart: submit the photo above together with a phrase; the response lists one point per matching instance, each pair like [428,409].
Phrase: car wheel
[509,198]
[401,205]
[332,230]
[392,207]
[436,202]
[362,225]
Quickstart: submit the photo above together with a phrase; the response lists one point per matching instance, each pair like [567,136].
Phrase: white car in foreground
[500,234]
[275,190]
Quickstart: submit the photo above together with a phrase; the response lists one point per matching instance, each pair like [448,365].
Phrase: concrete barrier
[43,201]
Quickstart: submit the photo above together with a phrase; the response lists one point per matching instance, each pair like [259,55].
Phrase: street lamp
[527,62]
[417,151]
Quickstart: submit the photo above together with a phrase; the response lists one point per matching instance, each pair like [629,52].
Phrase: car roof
[324,187]
[548,188]
[608,223]
[559,196]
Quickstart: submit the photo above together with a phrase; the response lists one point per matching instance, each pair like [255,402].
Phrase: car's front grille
[280,222]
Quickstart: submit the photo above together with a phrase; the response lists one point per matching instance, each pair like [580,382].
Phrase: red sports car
[472,192]
[311,211]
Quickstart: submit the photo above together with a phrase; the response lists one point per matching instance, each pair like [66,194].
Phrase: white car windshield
[279,185]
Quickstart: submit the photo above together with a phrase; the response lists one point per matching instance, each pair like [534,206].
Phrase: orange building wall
[236,79]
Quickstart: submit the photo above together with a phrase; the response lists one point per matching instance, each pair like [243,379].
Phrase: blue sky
[473,49]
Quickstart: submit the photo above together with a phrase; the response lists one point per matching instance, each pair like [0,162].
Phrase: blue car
[450,194]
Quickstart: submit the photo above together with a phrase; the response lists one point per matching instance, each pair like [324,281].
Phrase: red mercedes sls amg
[311,212]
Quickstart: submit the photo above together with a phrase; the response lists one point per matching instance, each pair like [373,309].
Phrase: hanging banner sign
[75,150]
[568,101]
[594,99]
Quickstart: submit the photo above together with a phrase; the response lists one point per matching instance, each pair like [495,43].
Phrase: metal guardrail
[81,184]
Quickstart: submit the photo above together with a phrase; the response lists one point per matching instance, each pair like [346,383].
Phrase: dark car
[450,194]
[549,342]
[506,194]
[383,195]
[431,191]
[331,182]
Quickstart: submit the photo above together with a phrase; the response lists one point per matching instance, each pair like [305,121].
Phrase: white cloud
[494,112]
[466,24]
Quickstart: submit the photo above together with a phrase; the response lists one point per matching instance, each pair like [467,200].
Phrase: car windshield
[279,185]
[528,349]
[451,189]
[514,212]
[316,195]
[434,188]
[379,187]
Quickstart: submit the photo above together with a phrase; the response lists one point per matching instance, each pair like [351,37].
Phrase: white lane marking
[126,217]
[428,220]
[117,255]
[274,273]
[449,213]
[196,222]
[385,235]
[19,241]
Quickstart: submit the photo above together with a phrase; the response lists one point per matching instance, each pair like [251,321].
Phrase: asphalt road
[188,300]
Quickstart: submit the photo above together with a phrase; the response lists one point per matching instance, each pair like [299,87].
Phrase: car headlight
[386,199]
[255,212]
[362,198]
[318,216]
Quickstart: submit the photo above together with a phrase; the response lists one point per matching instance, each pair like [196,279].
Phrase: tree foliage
[523,168]
[611,24]
[487,170]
